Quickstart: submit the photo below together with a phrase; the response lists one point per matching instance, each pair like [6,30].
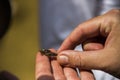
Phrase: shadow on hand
[46,77]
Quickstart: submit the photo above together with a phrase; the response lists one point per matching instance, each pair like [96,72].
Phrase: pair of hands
[100,38]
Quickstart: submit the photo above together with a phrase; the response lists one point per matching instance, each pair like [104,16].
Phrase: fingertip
[63,59]
[87,75]
[53,50]
[38,53]
[40,57]
[68,58]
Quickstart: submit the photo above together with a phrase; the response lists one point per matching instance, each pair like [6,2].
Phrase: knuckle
[75,60]
[115,10]
[113,16]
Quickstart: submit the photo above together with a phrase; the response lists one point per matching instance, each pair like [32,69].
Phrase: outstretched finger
[43,69]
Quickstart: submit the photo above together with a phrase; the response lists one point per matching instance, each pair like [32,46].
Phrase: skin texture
[101,44]
[100,38]
[50,69]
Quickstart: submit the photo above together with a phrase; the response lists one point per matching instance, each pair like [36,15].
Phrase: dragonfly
[48,53]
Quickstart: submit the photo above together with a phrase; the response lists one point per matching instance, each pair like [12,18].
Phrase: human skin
[100,37]
[43,70]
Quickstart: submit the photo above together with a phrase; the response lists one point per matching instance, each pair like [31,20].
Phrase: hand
[51,70]
[100,37]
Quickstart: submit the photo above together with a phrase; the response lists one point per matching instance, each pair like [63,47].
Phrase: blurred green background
[19,45]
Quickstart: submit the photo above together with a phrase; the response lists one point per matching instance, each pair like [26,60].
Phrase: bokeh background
[36,24]
[19,45]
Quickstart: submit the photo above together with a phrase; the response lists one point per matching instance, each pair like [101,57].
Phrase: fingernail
[63,60]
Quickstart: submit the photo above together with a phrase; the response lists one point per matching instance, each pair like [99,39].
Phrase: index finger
[88,29]
[43,68]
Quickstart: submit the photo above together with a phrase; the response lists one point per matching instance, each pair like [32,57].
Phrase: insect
[47,53]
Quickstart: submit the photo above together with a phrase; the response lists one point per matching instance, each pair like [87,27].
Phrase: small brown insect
[47,53]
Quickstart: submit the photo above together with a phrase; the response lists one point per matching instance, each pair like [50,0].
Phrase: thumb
[84,60]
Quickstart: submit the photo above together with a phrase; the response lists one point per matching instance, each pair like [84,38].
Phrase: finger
[71,74]
[86,75]
[56,68]
[82,32]
[92,44]
[53,50]
[43,69]
[57,71]
[85,60]
[88,45]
